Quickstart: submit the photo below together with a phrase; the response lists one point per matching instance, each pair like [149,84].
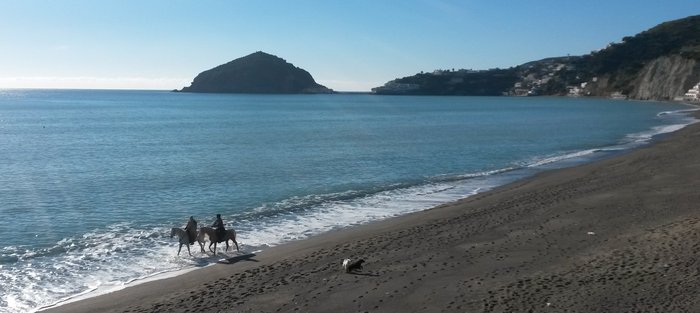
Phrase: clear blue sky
[345,44]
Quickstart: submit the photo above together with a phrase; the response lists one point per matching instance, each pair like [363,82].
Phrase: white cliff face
[666,78]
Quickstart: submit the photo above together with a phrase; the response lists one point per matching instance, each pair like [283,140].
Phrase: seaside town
[532,79]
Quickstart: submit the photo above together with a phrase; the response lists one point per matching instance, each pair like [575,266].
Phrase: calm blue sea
[92,181]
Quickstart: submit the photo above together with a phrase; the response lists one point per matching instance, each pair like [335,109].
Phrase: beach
[617,235]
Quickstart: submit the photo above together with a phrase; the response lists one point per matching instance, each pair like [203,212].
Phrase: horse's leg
[188,249]
[213,242]
[178,249]
[200,241]
[233,237]
[226,244]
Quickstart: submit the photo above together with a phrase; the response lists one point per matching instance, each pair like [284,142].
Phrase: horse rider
[191,229]
[220,230]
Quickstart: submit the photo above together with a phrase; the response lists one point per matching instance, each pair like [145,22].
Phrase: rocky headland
[661,63]
[260,73]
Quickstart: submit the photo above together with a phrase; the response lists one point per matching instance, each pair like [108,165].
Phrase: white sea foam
[92,264]
[676,120]
[326,216]
[630,141]
[643,137]
[558,158]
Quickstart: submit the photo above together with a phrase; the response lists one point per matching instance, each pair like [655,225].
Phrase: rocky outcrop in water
[256,73]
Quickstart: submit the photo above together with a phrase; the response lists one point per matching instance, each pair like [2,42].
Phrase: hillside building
[693,94]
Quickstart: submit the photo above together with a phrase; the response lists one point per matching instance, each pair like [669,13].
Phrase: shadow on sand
[238,258]
[364,274]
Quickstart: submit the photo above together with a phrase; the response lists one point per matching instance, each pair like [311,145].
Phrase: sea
[92,181]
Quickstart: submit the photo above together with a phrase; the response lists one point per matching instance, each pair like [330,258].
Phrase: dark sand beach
[618,235]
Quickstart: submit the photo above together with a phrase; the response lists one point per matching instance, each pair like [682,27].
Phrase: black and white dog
[350,266]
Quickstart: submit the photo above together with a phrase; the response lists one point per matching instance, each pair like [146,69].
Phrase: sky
[346,45]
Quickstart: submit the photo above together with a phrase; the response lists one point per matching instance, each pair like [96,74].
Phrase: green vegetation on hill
[675,37]
[622,61]
[462,82]
[614,69]
[256,73]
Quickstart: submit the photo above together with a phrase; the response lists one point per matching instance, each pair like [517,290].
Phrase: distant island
[258,72]
[662,63]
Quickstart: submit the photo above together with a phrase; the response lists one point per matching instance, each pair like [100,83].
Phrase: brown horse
[213,238]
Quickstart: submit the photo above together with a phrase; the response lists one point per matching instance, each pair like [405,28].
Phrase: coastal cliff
[666,78]
[661,63]
[256,73]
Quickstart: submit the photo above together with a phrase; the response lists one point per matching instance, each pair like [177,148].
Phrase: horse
[213,238]
[183,238]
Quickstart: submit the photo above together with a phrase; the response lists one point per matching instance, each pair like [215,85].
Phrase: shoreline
[99,291]
[516,233]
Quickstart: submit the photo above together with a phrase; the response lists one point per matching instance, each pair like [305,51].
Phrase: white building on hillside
[693,94]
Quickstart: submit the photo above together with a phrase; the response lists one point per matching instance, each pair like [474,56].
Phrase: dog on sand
[350,266]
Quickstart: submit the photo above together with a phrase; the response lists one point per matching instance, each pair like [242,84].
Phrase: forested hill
[256,73]
[660,63]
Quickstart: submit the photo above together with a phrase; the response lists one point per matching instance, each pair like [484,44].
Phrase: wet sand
[618,235]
